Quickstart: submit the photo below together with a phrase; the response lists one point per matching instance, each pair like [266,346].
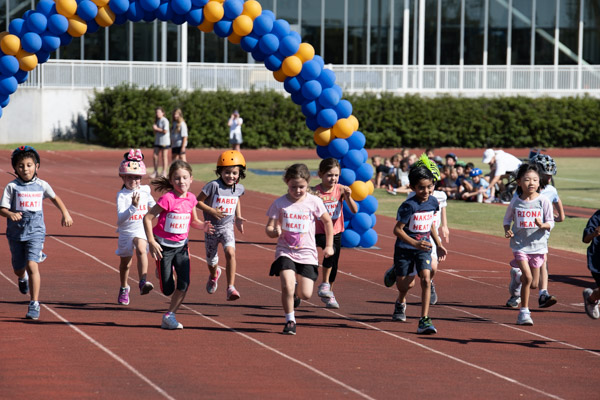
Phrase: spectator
[479,190]
[501,166]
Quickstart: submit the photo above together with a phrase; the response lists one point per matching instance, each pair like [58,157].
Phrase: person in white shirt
[235,130]
[502,164]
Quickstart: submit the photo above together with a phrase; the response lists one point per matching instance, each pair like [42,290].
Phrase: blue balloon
[312,124]
[223,28]
[350,238]
[42,56]
[179,19]
[269,13]
[364,172]
[21,76]
[369,204]
[120,19]
[65,39]
[361,222]
[289,45]
[8,84]
[311,90]
[327,117]
[293,84]
[352,159]
[346,223]
[365,154]
[281,28]
[310,70]
[164,12]
[46,7]
[347,176]
[9,65]
[273,62]
[37,22]
[233,8]
[319,60]
[150,5]
[259,55]
[58,24]
[119,6]
[327,78]
[339,89]
[135,12]
[373,220]
[199,3]
[181,7]
[1,112]
[263,24]
[268,44]
[249,42]
[31,42]
[17,27]
[310,109]
[357,140]
[338,148]
[348,214]
[87,10]
[149,16]
[195,17]
[323,152]
[92,26]
[297,98]
[343,108]
[4,100]
[329,98]
[368,239]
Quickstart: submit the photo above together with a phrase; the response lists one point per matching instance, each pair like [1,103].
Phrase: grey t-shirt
[521,214]
[224,198]
[159,138]
[177,137]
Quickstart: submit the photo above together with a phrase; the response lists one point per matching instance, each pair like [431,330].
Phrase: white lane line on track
[101,346]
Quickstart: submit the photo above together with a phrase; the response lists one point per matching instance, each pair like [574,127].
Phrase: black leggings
[177,258]
[330,262]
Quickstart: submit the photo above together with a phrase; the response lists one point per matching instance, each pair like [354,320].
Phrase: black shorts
[177,150]
[178,259]
[159,147]
[407,260]
[305,270]
[330,262]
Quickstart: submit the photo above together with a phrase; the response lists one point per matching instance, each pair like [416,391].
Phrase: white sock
[34,303]
[290,317]
[525,310]
[543,291]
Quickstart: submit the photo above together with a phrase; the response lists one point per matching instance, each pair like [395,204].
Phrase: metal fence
[428,80]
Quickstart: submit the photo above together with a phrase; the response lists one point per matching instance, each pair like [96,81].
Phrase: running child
[220,204]
[591,233]
[133,202]
[292,219]
[414,227]
[21,204]
[531,217]
[333,195]
[168,240]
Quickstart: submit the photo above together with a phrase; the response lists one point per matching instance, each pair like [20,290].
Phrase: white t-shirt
[505,162]
[130,218]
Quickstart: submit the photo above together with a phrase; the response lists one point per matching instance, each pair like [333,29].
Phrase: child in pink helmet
[133,202]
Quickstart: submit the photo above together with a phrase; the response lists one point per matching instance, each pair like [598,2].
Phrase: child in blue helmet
[479,188]
[21,204]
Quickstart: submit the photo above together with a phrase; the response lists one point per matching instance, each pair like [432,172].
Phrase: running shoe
[211,284]
[513,302]
[330,302]
[325,290]
[433,298]
[33,311]
[591,309]
[170,322]
[145,287]
[524,318]
[514,288]
[390,277]
[297,301]
[124,296]
[426,326]
[24,285]
[399,312]
[232,293]
[547,300]
[289,328]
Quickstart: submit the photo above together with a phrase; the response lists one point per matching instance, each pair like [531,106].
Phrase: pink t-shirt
[174,223]
[334,204]
[297,239]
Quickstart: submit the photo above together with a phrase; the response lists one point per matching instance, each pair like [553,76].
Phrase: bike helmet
[133,163]
[475,172]
[545,163]
[424,161]
[15,156]
[231,158]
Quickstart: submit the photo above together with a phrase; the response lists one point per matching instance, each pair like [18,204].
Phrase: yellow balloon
[342,128]
[291,66]
[354,122]
[206,26]
[213,11]
[359,190]
[106,17]
[243,25]
[322,136]
[101,3]
[234,38]
[77,26]
[10,44]
[252,8]
[279,75]
[66,7]
[370,187]
[305,52]
[27,61]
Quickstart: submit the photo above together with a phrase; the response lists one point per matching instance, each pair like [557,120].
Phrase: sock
[290,317]
[34,303]
[543,291]
[25,279]
[525,310]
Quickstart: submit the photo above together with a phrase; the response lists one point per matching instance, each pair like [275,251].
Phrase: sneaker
[433,298]
[211,284]
[33,311]
[289,328]
[124,296]
[325,290]
[399,312]
[170,322]
[524,318]
[297,301]
[514,287]
[392,192]
[591,309]
[490,200]
[232,293]
[23,285]
[547,300]
[513,302]
[145,287]
[330,302]
[390,277]
[426,326]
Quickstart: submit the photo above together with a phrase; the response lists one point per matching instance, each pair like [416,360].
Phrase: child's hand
[155,250]
[208,227]
[446,233]
[239,223]
[135,199]
[508,233]
[538,222]
[442,253]
[328,251]
[14,217]
[346,190]
[423,245]
[215,212]
[66,220]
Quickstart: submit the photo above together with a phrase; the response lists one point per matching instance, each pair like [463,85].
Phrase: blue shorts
[407,261]
[23,252]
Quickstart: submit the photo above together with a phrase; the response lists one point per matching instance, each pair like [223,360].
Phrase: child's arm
[559,211]
[444,227]
[273,230]
[591,235]
[418,244]
[441,250]
[206,208]
[155,248]
[547,222]
[508,217]
[66,217]
[347,194]
[124,211]
[328,225]
[206,226]
[239,220]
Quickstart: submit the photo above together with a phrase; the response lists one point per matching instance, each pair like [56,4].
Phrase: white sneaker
[591,309]
[514,288]
[325,290]
[170,322]
[524,318]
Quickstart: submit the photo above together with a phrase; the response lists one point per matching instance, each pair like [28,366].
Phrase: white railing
[469,80]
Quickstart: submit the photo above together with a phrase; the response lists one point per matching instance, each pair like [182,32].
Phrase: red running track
[87,346]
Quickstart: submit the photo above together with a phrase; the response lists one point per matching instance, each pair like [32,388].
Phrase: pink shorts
[534,260]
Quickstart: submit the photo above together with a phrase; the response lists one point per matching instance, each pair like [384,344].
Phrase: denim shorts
[407,261]
[23,252]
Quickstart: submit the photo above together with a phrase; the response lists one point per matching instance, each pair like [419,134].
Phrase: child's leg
[425,276]
[34,280]
[20,273]
[176,300]
[404,284]
[288,286]
[535,277]
[165,160]
[305,287]
[124,264]
[326,274]
[141,247]
[155,159]
[544,274]
[230,265]
[526,280]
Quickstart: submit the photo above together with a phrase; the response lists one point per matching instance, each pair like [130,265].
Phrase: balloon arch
[30,40]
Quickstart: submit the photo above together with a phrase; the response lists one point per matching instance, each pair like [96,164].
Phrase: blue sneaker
[390,277]
[426,326]
[33,312]
[170,322]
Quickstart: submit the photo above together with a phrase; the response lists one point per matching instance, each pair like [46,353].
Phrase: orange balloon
[291,66]
[322,136]
[106,17]
[279,75]
[234,38]
[370,187]
[354,122]
[305,52]
[213,11]
[359,190]
[252,8]
[27,61]
[77,26]
[66,7]
[342,128]
[206,26]
[10,44]
[101,3]
[243,25]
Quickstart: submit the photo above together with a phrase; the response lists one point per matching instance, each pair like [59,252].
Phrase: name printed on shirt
[140,212]
[296,222]
[177,223]
[421,222]
[29,201]
[334,208]
[225,204]
[525,218]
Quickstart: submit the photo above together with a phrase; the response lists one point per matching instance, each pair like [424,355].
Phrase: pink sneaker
[124,296]
[232,293]
[211,284]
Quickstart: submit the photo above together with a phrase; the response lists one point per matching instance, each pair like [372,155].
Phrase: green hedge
[123,117]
